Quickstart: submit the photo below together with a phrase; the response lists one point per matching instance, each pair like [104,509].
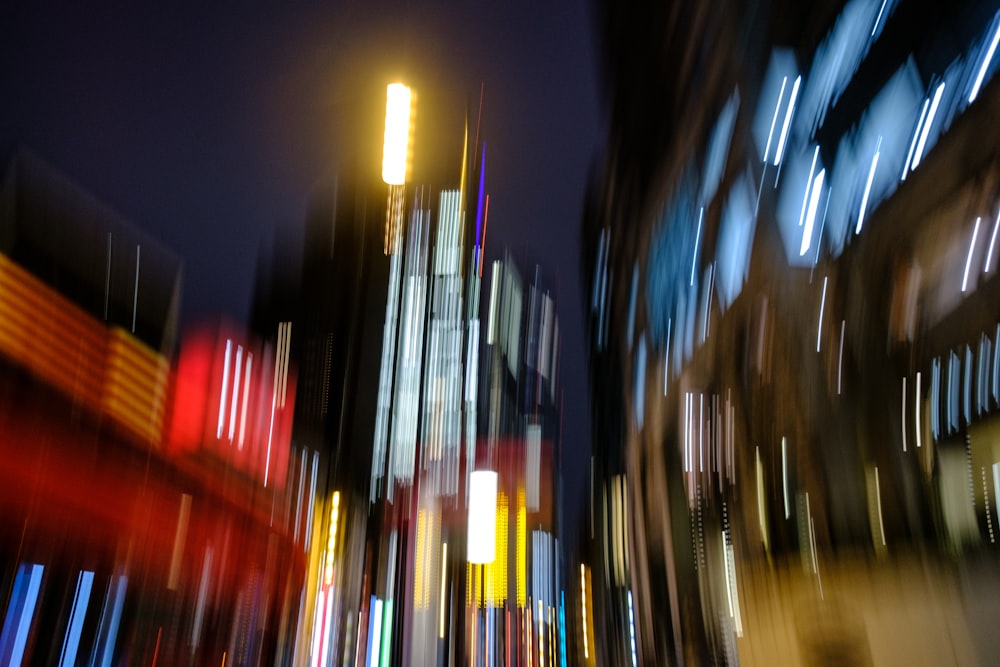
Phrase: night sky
[209,126]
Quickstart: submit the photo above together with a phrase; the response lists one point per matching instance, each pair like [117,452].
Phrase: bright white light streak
[225,387]
[903,417]
[817,190]
[822,307]
[878,502]
[731,576]
[996,486]
[631,627]
[774,118]
[729,586]
[868,189]
[993,240]
[788,120]
[784,473]
[840,356]
[968,260]
[878,18]
[916,408]
[482,516]
[916,137]
[687,430]
[809,184]
[697,239]
[236,387]
[397,134]
[927,126]
[985,64]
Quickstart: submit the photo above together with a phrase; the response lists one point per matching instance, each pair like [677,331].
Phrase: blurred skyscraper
[793,321]
[406,386]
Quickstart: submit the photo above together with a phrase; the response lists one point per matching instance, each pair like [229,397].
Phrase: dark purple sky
[208,126]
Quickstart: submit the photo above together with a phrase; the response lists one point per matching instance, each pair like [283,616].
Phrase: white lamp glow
[482,516]
[397,134]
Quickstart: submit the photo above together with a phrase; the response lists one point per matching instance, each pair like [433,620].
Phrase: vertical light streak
[927,125]
[482,517]
[583,605]
[725,561]
[985,64]
[812,541]
[237,369]
[916,138]
[761,516]
[397,133]
[246,400]
[206,572]
[788,120]
[701,432]
[817,191]
[327,622]
[697,240]
[687,400]
[26,611]
[486,219]
[810,182]
[735,588]
[74,628]
[993,240]
[968,260]
[822,307]
[284,362]
[935,397]
[784,473]
[878,501]
[996,488]
[386,651]
[375,638]
[878,18]
[840,356]
[312,500]
[225,389]
[631,627]
[774,118]
[996,365]
[444,588]
[868,189]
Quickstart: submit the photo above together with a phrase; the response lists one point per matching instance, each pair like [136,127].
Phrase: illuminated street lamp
[396,146]
[482,516]
[395,159]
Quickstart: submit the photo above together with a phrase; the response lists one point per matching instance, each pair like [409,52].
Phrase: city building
[793,321]
[137,496]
